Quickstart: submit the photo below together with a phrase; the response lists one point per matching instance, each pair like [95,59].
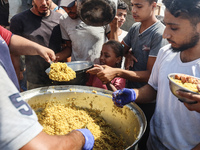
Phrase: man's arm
[16,63]
[145,94]
[72,141]
[113,30]
[129,58]
[124,96]
[109,73]
[111,87]
[22,46]
[126,48]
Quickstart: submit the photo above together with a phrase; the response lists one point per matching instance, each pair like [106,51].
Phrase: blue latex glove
[123,97]
[89,139]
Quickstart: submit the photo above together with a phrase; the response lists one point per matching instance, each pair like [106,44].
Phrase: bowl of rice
[183,82]
[69,73]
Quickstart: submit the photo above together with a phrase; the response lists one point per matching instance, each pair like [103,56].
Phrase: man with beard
[83,42]
[141,46]
[172,126]
[40,25]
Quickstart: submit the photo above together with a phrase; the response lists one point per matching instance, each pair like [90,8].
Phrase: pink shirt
[94,81]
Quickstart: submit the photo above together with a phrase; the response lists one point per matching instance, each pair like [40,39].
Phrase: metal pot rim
[86,89]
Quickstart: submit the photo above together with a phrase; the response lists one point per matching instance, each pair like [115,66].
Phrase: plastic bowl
[174,87]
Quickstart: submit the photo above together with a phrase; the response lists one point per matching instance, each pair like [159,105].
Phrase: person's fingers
[49,56]
[96,65]
[189,95]
[53,56]
[191,107]
[135,59]
[104,66]
[118,105]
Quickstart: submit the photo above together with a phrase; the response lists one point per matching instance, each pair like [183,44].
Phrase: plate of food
[73,73]
[61,72]
[186,83]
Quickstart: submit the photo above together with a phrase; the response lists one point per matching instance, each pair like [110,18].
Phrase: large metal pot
[129,121]
[97,12]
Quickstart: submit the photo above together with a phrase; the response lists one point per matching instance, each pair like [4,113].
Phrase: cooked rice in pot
[59,119]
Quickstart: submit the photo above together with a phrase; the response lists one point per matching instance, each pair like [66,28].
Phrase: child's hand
[95,69]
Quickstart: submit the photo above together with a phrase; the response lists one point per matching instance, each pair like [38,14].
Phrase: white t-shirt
[172,126]
[122,35]
[18,122]
[120,38]
[87,41]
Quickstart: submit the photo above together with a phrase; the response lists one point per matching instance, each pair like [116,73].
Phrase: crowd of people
[43,28]
[134,64]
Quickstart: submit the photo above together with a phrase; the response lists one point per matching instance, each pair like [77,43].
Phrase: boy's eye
[174,28]
[136,5]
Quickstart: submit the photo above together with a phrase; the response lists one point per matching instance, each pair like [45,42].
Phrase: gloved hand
[123,97]
[89,139]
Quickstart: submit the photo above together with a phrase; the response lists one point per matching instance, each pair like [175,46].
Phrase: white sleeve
[153,80]
[19,123]
[63,28]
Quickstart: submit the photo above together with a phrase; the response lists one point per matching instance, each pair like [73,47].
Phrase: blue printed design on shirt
[20,104]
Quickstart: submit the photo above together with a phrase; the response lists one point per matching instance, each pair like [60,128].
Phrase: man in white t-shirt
[173,126]
[141,44]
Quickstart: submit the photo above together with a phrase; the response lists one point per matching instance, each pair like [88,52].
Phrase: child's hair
[122,5]
[118,49]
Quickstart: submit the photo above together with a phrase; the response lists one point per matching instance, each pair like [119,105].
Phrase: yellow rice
[189,86]
[61,72]
[59,119]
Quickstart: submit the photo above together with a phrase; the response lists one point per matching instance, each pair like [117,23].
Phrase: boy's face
[142,10]
[121,13]
[179,32]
